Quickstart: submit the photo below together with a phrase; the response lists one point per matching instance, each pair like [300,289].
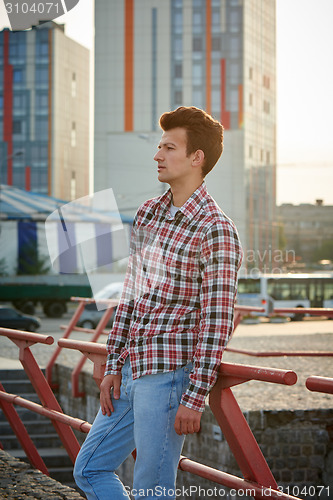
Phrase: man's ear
[198,158]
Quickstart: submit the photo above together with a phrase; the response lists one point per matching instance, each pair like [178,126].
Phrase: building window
[178,97]
[73,135]
[197,22]
[18,75]
[216,20]
[178,70]
[216,72]
[216,43]
[73,85]
[250,99]
[17,127]
[42,75]
[197,74]
[268,158]
[197,98]
[266,107]
[266,82]
[250,152]
[42,50]
[42,100]
[178,47]
[19,101]
[42,128]
[197,44]
[250,73]
[73,186]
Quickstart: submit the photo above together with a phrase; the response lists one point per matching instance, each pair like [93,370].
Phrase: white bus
[271,291]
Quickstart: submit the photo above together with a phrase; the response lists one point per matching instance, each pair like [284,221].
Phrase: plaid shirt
[178,300]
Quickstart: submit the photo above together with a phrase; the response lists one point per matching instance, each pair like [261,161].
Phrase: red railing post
[229,416]
[24,340]
[71,325]
[22,435]
[77,370]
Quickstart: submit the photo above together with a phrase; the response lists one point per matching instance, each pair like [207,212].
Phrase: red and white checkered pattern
[179,293]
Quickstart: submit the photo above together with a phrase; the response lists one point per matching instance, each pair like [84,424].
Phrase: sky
[304,43]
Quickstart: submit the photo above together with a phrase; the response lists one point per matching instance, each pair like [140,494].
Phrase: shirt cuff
[194,398]
[114,364]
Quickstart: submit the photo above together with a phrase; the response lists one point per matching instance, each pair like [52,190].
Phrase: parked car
[91,316]
[11,318]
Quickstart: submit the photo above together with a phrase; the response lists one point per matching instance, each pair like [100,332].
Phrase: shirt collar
[191,206]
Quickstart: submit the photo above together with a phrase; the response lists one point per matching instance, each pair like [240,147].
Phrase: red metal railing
[257,475]
[320,384]
[97,332]
[24,340]
[240,311]
[314,311]
[311,311]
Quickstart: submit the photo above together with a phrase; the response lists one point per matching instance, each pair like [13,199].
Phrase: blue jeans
[143,418]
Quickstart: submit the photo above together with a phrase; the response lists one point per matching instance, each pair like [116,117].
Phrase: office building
[308,230]
[44,111]
[219,55]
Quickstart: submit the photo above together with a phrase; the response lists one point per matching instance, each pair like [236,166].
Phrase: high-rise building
[219,55]
[44,111]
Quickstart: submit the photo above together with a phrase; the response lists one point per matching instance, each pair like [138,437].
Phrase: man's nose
[158,155]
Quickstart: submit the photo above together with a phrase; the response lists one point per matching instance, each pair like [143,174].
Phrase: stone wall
[298,445]
[20,481]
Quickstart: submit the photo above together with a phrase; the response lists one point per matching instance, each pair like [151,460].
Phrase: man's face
[173,165]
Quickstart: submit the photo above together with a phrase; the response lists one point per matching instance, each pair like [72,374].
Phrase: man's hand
[187,421]
[109,382]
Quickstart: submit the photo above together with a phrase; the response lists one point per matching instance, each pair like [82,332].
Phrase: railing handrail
[264,374]
[312,311]
[28,336]
[83,346]
[229,416]
[320,384]
[76,423]
[86,300]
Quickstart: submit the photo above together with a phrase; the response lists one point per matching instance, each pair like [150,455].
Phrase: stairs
[40,429]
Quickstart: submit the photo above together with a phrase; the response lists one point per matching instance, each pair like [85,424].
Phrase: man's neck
[180,194]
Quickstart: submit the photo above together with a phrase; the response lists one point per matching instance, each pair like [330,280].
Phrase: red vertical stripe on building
[208,56]
[129,65]
[8,108]
[27,178]
[225,115]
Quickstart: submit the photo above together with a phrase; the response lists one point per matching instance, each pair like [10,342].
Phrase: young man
[173,321]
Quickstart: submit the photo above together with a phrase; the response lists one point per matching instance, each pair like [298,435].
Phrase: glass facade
[232,62]
[24,108]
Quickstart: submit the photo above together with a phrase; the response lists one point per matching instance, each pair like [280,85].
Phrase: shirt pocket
[184,265]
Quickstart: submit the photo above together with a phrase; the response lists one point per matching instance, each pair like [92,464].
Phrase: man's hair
[203,132]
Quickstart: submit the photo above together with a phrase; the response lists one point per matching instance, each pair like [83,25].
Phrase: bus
[271,291]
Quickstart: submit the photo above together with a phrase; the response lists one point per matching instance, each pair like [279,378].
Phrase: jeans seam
[102,439]
[165,442]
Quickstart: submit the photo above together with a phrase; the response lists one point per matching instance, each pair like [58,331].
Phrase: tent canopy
[18,204]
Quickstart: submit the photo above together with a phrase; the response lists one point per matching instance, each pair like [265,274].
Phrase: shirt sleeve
[220,260]
[117,339]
